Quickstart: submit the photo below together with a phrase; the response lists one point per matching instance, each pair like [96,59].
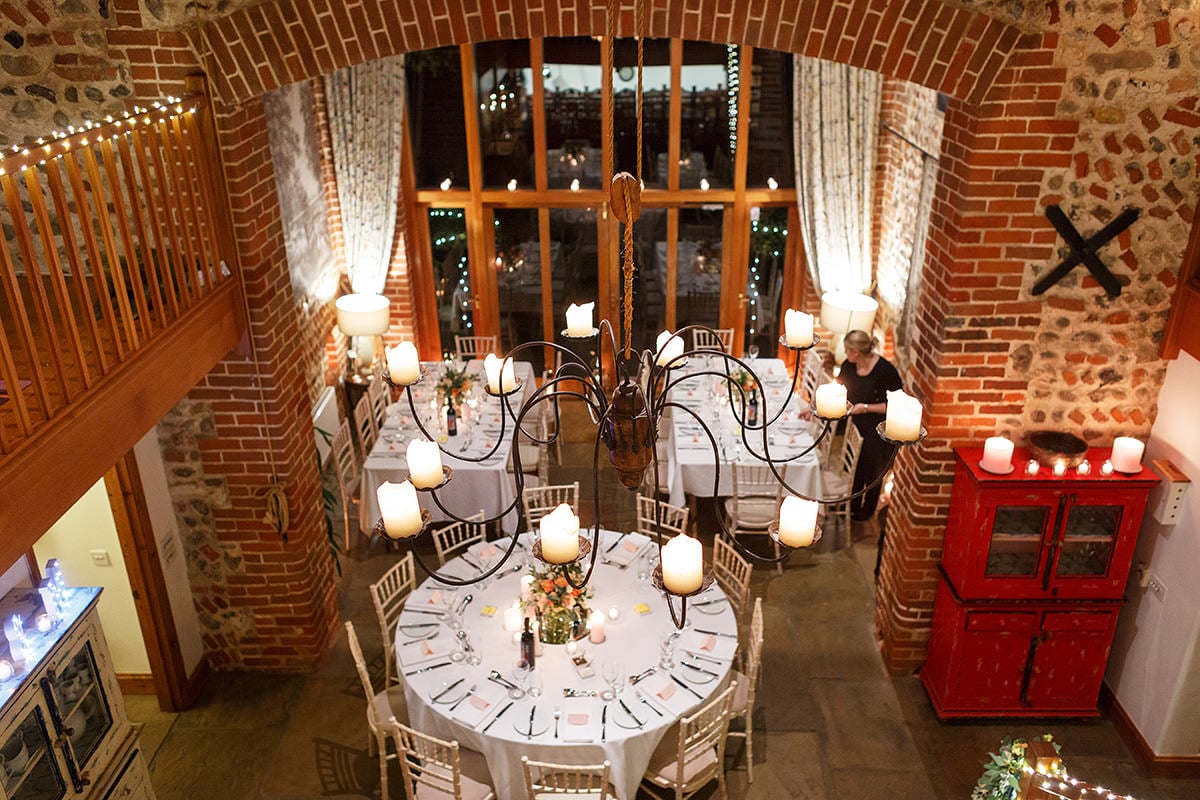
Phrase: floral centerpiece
[454,385]
[743,379]
[1002,771]
[561,607]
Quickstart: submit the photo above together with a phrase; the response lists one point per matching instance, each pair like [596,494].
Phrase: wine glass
[534,683]
[613,673]
[668,653]
[520,679]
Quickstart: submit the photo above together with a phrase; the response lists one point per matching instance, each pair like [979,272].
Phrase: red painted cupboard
[1033,574]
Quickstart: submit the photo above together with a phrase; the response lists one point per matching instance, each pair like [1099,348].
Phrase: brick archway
[951,49]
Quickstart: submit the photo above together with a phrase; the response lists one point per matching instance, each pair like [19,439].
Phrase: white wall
[1154,669]
[170,549]
[17,575]
[88,525]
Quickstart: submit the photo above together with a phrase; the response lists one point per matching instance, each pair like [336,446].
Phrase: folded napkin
[667,694]
[628,549]
[721,647]
[427,597]
[486,551]
[487,699]
[424,650]
[580,720]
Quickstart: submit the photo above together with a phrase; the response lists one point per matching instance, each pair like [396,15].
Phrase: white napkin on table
[707,644]
[580,720]
[486,700]
[625,552]
[413,652]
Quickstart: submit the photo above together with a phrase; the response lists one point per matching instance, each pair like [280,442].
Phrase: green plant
[1001,777]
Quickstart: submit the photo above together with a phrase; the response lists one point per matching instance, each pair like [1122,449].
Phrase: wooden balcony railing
[111,236]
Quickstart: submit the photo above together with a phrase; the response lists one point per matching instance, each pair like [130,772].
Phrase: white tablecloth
[475,485]
[691,460]
[634,641]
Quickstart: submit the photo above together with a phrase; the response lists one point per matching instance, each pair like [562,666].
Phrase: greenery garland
[1001,777]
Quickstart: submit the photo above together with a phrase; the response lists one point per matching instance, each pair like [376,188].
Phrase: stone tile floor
[830,722]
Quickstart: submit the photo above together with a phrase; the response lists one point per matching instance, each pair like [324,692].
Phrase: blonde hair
[860,341]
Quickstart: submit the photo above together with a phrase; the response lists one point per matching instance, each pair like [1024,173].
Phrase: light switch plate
[100,558]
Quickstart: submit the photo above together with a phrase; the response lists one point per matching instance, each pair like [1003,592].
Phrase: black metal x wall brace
[1084,251]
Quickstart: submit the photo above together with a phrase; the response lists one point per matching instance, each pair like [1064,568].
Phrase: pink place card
[632,547]
[577,719]
[480,703]
[435,597]
[709,643]
[666,692]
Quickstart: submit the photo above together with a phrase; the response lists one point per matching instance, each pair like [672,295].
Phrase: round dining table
[449,664]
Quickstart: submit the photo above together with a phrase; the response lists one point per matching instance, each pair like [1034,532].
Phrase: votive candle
[1084,468]
[1032,467]
[1106,468]
[596,634]
[614,614]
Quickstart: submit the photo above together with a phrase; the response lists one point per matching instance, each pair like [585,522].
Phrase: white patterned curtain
[835,124]
[366,104]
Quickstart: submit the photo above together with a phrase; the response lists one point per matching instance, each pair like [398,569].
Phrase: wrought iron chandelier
[628,421]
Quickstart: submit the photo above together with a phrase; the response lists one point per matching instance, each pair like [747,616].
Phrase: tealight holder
[1083,468]
[447,474]
[1033,467]
[516,388]
[816,340]
[833,419]
[380,529]
[1106,468]
[595,332]
[773,532]
[881,429]
[585,547]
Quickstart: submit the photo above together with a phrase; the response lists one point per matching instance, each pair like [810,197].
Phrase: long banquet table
[690,454]
[480,715]
[487,485]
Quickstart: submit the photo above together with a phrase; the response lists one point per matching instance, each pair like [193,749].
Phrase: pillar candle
[501,375]
[403,366]
[1127,454]
[997,455]
[682,564]
[596,635]
[424,464]
[560,535]
[797,521]
[831,400]
[798,328]
[670,347]
[400,510]
[903,417]
[579,319]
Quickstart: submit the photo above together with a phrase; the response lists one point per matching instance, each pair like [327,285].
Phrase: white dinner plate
[695,675]
[622,718]
[541,722]
[451,697]
[417,629]
[713,605]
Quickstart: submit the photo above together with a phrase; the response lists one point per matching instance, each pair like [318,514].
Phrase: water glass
[668,653]
[534,683]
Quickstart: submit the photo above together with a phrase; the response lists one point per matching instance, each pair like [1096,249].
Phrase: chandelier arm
[767,450]
[679,620]
[595,554]
[450,580]
[486,520]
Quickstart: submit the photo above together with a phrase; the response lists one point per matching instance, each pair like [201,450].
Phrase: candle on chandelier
[683,564]
[560,535]
[831,400]
[670,347]
[798,328]
[400,510]
[579,319]
[596,625]
[404,368]
[997,455]
[501,375]
[424,464]
[797,521]
[1127,454]
[903,417]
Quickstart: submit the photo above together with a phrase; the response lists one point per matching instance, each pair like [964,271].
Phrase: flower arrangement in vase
[454,385]
[561,607]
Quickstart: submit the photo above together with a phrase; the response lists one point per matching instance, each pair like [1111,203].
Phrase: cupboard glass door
[27,764]
[1015,543]
[1088,537]
[79,698]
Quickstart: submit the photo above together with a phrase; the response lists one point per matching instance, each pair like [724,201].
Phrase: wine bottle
[752,411]
[528,646]
[451,421]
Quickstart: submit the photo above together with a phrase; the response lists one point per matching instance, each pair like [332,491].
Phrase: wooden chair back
[716,339]
[430,766]
[468,347]
[732,573]
[381,397]
[388,595]
[699,736]
[453,539]
[345,470]
[539,501]
[543,778]
[673,519]
[364,424]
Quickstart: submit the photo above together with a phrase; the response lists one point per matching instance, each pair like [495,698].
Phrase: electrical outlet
[1156,587]
[100,558]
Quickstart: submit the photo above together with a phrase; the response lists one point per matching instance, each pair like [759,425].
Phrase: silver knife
[690,665]
[427,669]
[446,691]
[604,723]
[422,611]
[690,689]
[467,558]
[716,633]
[498,716]
[532,711]
[613,546]
[630,713]
[709,602]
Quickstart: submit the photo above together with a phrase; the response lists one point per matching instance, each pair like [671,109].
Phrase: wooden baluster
[58,282]
[191,267]
[79,282]
[207,200]
[193,202]
[52,350]
[114,270]
[26,343]
[94,258]
[152,214]
[166,193]
[133,265]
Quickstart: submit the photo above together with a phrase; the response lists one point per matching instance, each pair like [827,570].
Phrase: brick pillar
[277,609]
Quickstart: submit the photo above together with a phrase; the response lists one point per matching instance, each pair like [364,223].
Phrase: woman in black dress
[868,377]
